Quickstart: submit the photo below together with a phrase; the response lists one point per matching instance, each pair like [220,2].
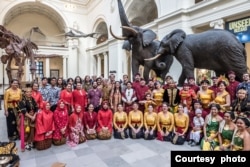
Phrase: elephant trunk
[123,16]
[124,20]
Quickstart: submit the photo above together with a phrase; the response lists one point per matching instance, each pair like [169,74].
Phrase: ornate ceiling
[135,15]
[79,2]
[33,7]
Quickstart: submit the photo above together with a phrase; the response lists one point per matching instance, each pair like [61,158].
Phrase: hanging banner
[241,29]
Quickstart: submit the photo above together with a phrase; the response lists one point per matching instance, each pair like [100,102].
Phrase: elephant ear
[175,38]
[147,37]
[126,45]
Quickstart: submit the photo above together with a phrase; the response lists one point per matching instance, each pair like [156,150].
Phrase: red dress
[67,97]
[44,124]
[38,98]
[104,119]
[80,97]
[90,119]
[60,120]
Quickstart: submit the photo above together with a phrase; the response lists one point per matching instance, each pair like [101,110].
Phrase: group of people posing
[75,110]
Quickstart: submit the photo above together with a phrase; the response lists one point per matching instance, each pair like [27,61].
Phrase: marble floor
[96,153]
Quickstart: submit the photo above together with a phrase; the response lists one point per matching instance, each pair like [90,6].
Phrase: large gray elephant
[144,45]
[217,50]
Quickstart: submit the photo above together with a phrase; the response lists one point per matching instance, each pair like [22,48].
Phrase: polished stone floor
[96,153]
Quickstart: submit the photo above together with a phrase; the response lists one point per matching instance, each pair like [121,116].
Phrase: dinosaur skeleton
[19,50]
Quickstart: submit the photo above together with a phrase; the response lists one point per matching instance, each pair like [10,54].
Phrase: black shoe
[194,144]
[190,142]
[14,138]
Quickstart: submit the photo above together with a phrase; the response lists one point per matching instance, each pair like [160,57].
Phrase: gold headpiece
[224,79]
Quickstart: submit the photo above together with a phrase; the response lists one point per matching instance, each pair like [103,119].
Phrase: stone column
[217,24]
[106,66]
[27,71]
[73,58]
[91,63]
[186,3]
[65,67]
[47,67]
[98,65]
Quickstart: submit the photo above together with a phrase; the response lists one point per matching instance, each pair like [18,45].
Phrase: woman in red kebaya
[66,96]
[37,95]
[76,134]
[61,123]
[90,122]
[104,118]
[44,127]
[80,96]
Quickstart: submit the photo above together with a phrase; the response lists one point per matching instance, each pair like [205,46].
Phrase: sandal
[27,147]
[31,145]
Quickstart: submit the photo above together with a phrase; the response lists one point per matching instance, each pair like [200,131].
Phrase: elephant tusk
[130,29]
[116,37]
[153,58]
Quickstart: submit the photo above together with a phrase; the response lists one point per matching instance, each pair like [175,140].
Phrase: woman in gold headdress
[222,98]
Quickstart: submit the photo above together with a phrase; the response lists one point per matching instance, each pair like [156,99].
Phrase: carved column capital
[105,54]
[73,42]
[217,24]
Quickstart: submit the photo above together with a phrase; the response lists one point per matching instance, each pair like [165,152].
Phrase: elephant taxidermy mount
[216,49]
[143,45]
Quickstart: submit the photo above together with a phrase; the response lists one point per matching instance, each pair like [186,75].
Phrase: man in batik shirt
[44,89]
[54,94]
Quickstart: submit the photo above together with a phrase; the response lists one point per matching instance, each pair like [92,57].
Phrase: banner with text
[241,29]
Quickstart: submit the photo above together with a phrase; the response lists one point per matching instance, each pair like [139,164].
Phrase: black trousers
[12,124]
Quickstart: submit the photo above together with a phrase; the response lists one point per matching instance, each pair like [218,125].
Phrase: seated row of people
[60,128]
